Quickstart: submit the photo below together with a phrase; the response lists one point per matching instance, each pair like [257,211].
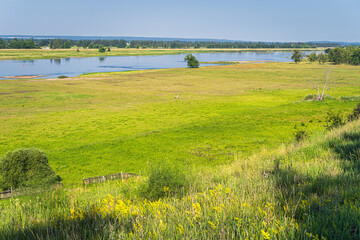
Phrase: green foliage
[355,114]
[192,62]
[165,179]
[62,76]
[296,56]
[102,49]
[355,57]
[300,132]
[334,120]
[323,58]
[26,167]
[312,57]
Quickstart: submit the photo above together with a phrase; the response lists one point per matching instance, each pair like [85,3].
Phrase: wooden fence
[21,191]
[104,178]
[6,194]
[10,193]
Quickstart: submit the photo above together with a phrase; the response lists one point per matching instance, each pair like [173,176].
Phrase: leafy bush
[26,167]
[62,76]
[334,120]
[300,132]
[310,97]
[192,62]
[165,180]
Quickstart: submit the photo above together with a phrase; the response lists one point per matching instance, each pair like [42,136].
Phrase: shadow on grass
[325,206]
[89,227]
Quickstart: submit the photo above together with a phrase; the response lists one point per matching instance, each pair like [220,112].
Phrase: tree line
[338,55]
[212,44]
[121,43]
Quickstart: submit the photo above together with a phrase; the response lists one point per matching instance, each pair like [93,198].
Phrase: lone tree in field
[26,167]
[325,86]
[192,62]
[296,56]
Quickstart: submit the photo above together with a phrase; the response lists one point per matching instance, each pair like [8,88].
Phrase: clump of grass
[313,97]
[62,76]
[351,98]
[165,179]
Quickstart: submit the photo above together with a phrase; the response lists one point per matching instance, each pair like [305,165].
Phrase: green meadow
[104,123]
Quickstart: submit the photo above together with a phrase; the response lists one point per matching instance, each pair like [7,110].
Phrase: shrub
[192,62]
[164,180]
[62,76]
[26,167]
[334,120]
[355,114]
[300,133]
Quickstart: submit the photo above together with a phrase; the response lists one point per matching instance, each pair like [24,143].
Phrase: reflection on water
[57,61]
[75,66]
[28,61]
[102,59]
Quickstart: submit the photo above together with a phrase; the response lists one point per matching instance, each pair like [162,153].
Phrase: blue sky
[250,20]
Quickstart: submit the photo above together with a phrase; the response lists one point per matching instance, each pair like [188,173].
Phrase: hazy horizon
[257,20]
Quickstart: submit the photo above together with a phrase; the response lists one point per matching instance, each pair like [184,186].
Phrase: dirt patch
[4,93]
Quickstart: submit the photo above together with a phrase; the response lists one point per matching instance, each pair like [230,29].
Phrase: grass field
[231,131]
[105,123]
[307,190]
[29,54]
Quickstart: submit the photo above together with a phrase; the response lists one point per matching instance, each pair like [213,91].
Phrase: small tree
[26,167]
[101,48]
[296,56]
[192,62]
[312,57]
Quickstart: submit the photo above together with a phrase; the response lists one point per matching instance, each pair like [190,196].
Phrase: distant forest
[120,43]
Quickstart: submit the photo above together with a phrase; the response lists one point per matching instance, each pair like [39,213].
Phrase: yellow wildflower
[266,235]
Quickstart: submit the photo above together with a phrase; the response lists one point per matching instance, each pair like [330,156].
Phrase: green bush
[192,62]
[334,120]
[26,167]
[164,180]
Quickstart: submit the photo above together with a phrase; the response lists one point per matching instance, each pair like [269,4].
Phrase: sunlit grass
[105,123]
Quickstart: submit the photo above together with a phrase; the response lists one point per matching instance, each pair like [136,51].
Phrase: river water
[75,66]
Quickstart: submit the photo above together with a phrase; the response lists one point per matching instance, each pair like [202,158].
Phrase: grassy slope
[28,54]
[106,123]
[299,191]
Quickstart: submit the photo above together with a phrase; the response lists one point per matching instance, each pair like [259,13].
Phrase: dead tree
[326,85]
